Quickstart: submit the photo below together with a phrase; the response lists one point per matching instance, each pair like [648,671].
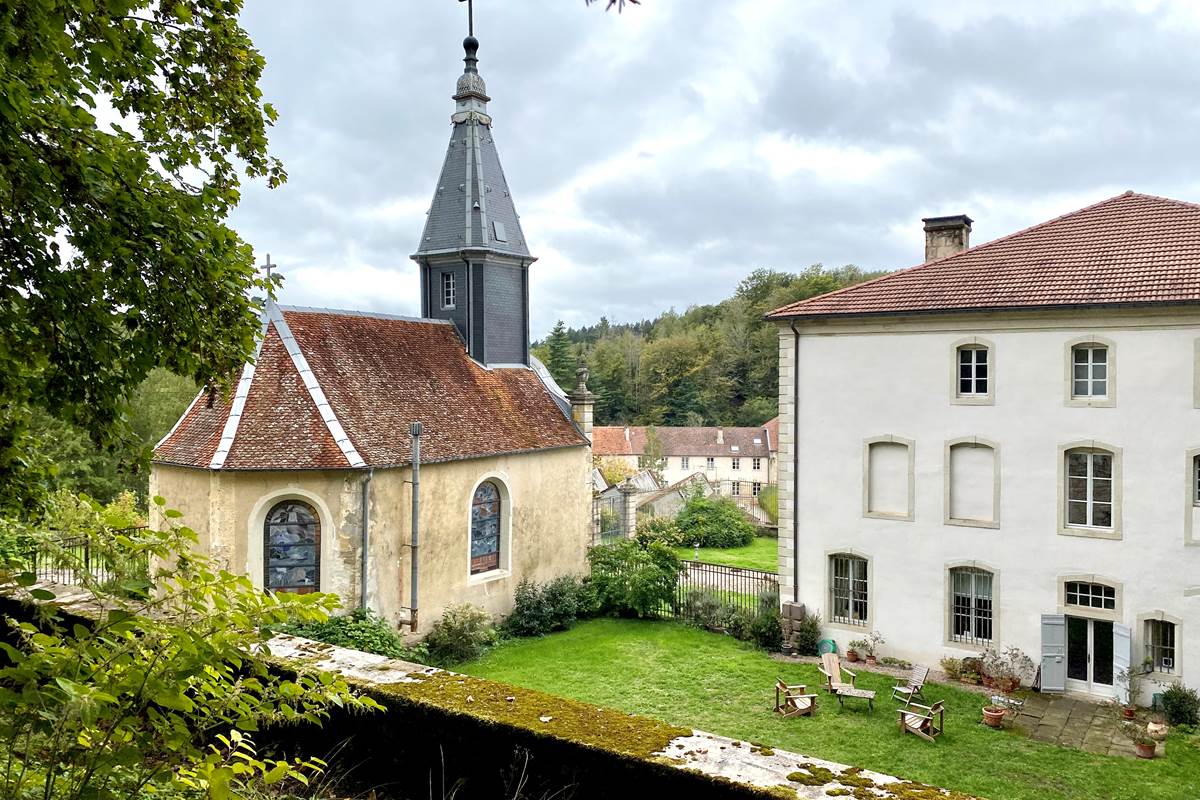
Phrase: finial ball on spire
[471,45]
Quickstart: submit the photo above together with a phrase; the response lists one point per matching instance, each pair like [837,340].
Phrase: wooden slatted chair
[793,700]
[913,688]
[928,722]
[831,667]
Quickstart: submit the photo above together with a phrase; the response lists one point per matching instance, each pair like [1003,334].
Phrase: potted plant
[1130,679]
[1006,668]
[855,647]
[1142,741]
[1157,728]
[873,640]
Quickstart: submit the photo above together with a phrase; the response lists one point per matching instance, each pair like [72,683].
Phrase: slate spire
[473,256]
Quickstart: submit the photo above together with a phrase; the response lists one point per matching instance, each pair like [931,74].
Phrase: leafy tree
[114,254]
[126,706]
[653,459]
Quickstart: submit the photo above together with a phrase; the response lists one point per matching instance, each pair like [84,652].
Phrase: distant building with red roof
[305,478]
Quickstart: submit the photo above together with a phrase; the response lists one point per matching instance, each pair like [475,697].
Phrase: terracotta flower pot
[852,656]
[1128,711]
[993,716]
[1145,750]
[871,661]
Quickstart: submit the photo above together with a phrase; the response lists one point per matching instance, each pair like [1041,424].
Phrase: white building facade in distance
[1001,446]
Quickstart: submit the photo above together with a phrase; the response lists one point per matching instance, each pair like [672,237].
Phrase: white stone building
[1001,446]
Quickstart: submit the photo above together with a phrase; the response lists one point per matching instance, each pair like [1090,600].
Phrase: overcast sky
[658,156]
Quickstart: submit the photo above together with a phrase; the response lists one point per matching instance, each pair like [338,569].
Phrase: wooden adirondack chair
[913,689]
[793,700]
[831,667]
[928,722]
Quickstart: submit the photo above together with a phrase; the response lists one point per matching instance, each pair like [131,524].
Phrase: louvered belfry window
[292,548]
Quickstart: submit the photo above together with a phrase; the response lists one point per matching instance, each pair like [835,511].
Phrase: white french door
[1092,663]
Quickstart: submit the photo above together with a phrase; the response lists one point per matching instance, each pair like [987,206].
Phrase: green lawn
[689,677]
[762,553]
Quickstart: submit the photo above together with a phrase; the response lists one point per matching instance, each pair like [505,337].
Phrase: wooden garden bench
[793,700]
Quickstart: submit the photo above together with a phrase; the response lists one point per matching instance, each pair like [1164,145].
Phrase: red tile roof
[680,441]
[1132,249]
[379,374]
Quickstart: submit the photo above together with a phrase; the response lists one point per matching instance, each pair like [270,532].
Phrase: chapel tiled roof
[681,441]
[1130,250]
[347,398]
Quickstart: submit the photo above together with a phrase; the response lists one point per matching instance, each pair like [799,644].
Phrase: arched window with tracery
[293,548]
[485,528]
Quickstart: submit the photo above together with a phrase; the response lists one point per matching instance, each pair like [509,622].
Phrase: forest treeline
[712,364]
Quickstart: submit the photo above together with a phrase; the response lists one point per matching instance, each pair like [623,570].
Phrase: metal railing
[606,519]
[734,587]
[68,560]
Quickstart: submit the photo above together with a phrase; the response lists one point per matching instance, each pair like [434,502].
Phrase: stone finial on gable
[582,403]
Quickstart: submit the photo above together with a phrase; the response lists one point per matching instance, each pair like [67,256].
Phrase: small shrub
[895,662]
[538,610]
[768,501]
[703,609]
[631,579]
[465,632]
[1181,705]
[738,622]
[714,522]
[660,529]
[808,635]
[360,630]
[972,670]
[561,598]
[953,667]
[766,628]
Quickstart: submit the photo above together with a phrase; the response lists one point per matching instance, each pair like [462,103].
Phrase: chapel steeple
[473,258]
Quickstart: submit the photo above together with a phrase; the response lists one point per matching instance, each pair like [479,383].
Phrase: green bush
[1181,705]
[768,501]
[361,629]
[630,579]
[808,635]
[465,632]
[766,630]
[703,609]
[660,529]
[714,522]
[541,609]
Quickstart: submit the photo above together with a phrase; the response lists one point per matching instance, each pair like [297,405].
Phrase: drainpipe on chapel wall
[366,537]
[414,431]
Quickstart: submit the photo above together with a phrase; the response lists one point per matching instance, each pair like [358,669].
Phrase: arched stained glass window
[485,528]
[292,548]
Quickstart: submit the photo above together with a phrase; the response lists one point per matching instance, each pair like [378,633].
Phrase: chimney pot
[946,236]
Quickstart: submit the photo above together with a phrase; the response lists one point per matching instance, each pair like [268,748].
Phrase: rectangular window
[1160,645]
[848,589]
[710,462]
[756,464]
[683,463]
[737,464]
[971,606]
[1089,489]
[1196,480]
[448,290]
[755,488]
[736,489]
[972,371]
[1089,371]
[1090,595]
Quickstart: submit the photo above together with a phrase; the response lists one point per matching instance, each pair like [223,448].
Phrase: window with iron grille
[448,290]
[756,464]
[1160,645]
[737,464]
[1090,595]
[848,589]
[970,605]
[485,528]
[1089,371]
[736,489]
[755,488]
[292,548]
[1090,488]
[972,371]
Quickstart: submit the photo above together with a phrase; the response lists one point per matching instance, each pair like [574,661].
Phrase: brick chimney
[720,436]
[946,236]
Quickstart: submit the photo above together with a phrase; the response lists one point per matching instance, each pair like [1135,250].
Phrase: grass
[762,553]
[689,677]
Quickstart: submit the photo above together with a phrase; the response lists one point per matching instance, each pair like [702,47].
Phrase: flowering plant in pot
[1142,741]
[854,648]
[873,640]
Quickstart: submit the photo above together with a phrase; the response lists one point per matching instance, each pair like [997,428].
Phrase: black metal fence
[702,585]
[69,560]
[606,519]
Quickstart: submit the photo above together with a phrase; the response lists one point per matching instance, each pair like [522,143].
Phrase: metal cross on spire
[470,16]
[267,267]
